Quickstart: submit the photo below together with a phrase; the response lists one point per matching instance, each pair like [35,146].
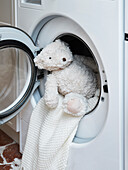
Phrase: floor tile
[1,160]
[11,152]
[5,167]
[10,157]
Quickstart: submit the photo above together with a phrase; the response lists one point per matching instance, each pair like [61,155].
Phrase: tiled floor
[10,157]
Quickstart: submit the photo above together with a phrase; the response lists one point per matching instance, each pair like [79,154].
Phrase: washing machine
[92,28]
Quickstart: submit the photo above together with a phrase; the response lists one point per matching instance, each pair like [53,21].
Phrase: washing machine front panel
[18,73]
[108,142]
[102,22]
[99,124]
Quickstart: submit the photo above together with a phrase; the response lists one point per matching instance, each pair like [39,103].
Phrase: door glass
[15,75]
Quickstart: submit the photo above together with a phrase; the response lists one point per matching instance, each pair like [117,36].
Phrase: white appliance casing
[103,22]
[126,87]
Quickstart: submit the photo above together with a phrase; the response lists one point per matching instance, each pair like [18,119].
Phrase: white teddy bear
[69,77]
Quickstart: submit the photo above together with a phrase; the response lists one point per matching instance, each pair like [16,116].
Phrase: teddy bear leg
[51,92]
[75,104]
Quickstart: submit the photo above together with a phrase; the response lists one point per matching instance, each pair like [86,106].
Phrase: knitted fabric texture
[50,134]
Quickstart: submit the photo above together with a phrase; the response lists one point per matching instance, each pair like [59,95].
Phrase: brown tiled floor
[10,157]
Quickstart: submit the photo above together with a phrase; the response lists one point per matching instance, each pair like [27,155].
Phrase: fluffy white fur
[53,55]
[70,75]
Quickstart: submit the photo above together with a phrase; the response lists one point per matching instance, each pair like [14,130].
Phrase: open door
[17,71]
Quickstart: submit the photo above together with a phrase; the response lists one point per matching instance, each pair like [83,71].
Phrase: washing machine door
[17,71]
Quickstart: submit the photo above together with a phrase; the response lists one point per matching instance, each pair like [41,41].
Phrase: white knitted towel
[50,134]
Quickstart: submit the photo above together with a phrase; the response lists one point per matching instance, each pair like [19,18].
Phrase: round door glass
[16,79]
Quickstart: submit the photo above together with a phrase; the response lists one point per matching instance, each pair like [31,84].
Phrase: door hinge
[126,36]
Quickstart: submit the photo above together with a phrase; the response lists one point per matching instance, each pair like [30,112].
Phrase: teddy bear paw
[75,104]
[51,103]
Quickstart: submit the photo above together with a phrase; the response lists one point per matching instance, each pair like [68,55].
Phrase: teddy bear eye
[50,58]
[64,59]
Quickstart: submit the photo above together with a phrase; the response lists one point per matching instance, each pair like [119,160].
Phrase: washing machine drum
[18,75]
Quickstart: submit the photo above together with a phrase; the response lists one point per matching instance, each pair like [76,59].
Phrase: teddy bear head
[54,56]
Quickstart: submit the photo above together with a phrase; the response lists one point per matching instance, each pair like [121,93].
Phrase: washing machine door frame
[11,37]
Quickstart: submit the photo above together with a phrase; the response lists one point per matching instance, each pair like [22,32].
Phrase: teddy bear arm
[51,91]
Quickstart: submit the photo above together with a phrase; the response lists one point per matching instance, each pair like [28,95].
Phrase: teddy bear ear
[62,43]
[58,41]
